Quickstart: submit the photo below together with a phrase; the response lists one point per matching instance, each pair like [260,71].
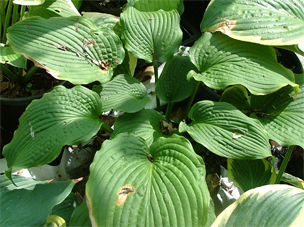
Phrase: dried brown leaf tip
[123,193]
[102,64]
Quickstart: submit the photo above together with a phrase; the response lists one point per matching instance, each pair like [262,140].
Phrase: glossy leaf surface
[226,131]
[61,117]
[269,22]
[136,185]
[151,35]
[69,48]
[222,61]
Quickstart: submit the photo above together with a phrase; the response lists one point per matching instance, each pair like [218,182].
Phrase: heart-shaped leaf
[151,35]
[145,124]
[124,93]
[33,203]
[249,174]
[69,48]
[61,117]
[226,131]
[132,184]
[223,61]
[173,85]
[250,209]
[151,5]
[269,22]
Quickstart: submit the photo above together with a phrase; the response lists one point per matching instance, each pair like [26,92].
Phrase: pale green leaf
[61,117]
[223,61]
[249,174]
[145,124]
[133,185]
[268,22]
[226,131]
[69,48]
[28,2]
[295,181]
[124,93]
[8,56]
[32,204]
[173,85]
[152,5]
[151,35]
[271,205]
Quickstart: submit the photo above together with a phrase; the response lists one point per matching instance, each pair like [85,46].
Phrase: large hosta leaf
[61,117]
[151,35]
[226,131]
[173,85]
[69,48]
[271,205]
[124,93]
[33,201]
[223,61]
[145,124]
[249,174]
[270,22]
[133,185]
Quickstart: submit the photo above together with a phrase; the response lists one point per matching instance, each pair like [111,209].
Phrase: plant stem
[169,111]
[155,66]
[284,164]
[106,127]
[7,20]
[30,73]
[8,73]
[15,14]
[189,104]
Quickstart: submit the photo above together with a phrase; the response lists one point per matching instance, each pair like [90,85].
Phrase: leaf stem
[155,66]
[169,111]
[106,127]
[30,73]
[8,73]
[7,20]
[284,164]
[190,101]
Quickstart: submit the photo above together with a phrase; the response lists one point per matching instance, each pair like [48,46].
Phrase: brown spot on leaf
[123,193]
[88,43]
[225,27]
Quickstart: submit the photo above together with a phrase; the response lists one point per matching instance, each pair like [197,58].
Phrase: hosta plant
[148,173]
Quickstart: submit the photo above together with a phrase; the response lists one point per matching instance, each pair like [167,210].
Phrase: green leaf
[55,220]
[80,216]
[6,185]
[61,117]
[124,93]
[145,124]
[133,185]
[28,2]
[223,61]
[69,48]
[236,95]
[265,206]
[151,5]
[226,131]
[295,181]
[173,85]
[268,22]
[249,174]
[151,35]
[7,55]
[53,8]
[32,204]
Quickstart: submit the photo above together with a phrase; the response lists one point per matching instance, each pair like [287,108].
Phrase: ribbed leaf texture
[61,117]
[134,185]
[124,93]
[250,209]
[269,22]
[152,5]
[151,35]
[222,61]
[69,48]
[226,131]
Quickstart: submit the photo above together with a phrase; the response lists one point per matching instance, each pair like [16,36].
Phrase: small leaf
[250,209]
[249,174]
[80,216]
[173,85]
[226,131]
[144,124]
[295,181]
[268,22]
[223,61]
[57,45]
[124,93]
[127,188]
[151,35]
[7,55]
[236,95]
[15,202]
[61,117]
